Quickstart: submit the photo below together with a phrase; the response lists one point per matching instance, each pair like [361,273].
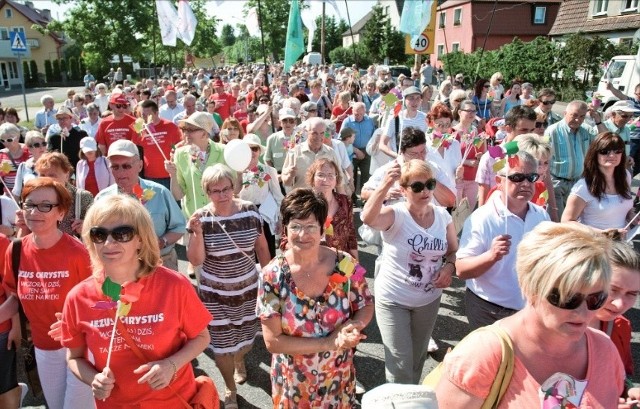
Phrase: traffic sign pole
[24,93]
[18,46]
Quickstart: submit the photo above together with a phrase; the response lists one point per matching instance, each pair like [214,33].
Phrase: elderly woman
[226,237]
[11,116]
[444,90]
[155,368]
[51,263]
[313,302]
[56,166]
[230,130]
[602,197]
[34,141]
[12,155]
[92,121]
[455,98]
[558,360]
[418,259]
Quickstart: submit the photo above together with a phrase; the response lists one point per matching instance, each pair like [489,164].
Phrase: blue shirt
[45,118]
[162,207]
[569,149]
[364,130]
[624,133]
[483,107]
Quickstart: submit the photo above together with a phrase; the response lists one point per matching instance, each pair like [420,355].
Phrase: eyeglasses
[218,192]
[417,187]
[487,86]
[553,101]
[607,152]
[255,148]
[42,207]
[121,234]
[467,110]
[296,228]
[121,106]
[8,140]
[541,124]
[191,130]
[38,145]
[520,177]
[325,176]
[288,120]
[594,300]
[124,166]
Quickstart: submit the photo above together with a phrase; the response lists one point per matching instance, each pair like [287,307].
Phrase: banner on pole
[424,42]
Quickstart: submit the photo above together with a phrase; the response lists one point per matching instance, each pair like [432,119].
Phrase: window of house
[600,7]
[457,16]
[539,15]
[630,5]
[13,69]
[18,29]
[626,41]
[8,13]
[443,19]
[440,51]
[4,33]
[455,47]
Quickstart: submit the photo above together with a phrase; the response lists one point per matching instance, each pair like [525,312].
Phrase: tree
[25,73]
[34,72]
[48,71]
[56,71]
[227,37]
[64,69]
[333,33]
[381,39]
[73,69]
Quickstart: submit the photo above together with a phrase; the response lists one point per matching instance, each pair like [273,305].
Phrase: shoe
[359,388]
[240,374]
[24,389]
[433,347]
[230,400]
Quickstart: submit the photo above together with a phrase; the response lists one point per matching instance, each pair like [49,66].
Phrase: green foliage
[227,37]
[245,49]
[56,71]
[73,69]
[354,54]
[64,69]
[48,71]
[34,72]
[332,36]
[25,72]
[381,39]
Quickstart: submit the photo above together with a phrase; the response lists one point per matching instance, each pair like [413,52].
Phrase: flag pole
[355,55]
[264,55]
[155,25]
[322,32]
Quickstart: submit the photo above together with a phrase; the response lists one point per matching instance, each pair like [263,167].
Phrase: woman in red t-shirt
[151,367]
[12,155]
[342,110]
[9,339]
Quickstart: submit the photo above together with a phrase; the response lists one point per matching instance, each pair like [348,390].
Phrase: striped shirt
[569,149]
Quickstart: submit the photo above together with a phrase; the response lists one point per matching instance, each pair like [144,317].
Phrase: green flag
[295,42]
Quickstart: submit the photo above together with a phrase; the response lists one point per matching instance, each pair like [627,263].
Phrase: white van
[623,72]
[312,58]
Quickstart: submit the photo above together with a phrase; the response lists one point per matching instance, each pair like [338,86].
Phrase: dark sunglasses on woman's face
[38,145]
[594,301]
[520,177]
[541,124]
[553,101]
[606,152]
[417,187]
[121,234]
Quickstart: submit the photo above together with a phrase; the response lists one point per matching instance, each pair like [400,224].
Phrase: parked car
[623,71]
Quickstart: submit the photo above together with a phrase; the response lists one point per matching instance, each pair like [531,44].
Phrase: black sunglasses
[541,124]
[38,145]
[417,187]
[42,207]
[553,101]
[606,152]
[121,106]
[124,166]
[520,177]
[121,234]
[594,300]
[255,149]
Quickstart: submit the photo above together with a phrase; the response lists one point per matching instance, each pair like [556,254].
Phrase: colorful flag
[186,22]
[295,41]
[167,16]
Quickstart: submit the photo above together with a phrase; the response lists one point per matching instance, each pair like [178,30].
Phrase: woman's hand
[348,336]
[443,276]
[15,335]
[157,374]
[194,224]
[633,396]
[76,226]
[171,168]
[56,328]
[102,384]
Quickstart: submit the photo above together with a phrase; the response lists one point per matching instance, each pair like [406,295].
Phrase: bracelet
[175,370]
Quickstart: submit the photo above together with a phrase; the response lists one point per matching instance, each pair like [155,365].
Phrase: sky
[231,10]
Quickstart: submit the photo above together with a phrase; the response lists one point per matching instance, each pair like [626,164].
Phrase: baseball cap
[410,91]
[118,98]
[202,120]
[88,144]
[218,83]
[286,113]
[123,147]
[309,106]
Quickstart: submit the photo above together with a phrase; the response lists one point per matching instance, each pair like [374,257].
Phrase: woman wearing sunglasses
[34,140]
[602,197]
[51,264]
[564,274]
[151,367]
[13,153]
[417,262]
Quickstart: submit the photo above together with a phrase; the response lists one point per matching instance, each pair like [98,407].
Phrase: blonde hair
[533,144]
[128,211]
[412,168]
[568,256]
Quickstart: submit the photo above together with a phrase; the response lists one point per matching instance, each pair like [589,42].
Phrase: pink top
[473,365]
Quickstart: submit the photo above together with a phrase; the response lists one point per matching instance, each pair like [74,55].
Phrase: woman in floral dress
[313,302]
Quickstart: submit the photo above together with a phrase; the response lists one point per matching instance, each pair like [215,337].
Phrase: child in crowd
[348,136]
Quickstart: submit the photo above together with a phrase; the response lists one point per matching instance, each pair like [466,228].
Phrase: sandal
[230,400]
[240,374]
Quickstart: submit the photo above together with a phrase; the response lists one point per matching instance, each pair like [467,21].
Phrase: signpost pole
[24,94]
[19,46]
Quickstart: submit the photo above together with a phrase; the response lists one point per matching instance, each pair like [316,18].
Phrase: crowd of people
[482,182]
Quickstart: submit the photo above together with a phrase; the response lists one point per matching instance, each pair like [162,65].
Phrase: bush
[34,72]
[56,71]
[48,71]
[73,68]
[25,73]
[354,54]
[64,69]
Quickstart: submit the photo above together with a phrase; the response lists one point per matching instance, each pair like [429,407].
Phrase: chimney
[46,14]
[29,4]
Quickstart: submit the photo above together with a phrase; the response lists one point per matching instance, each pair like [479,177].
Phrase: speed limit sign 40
[420,44]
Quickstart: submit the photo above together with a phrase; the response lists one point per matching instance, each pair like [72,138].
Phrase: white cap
[286,113]
[123,147]
[88,144]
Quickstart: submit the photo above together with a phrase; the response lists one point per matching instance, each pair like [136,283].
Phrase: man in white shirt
[171,108]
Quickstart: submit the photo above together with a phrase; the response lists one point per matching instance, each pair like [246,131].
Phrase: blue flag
[415,17]
[295,41]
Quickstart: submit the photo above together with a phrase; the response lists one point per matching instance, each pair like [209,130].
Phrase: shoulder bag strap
[16,252]
[138,352]
[505,371]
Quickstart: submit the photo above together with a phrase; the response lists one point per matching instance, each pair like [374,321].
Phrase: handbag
[206,396]
[503,377]
[27,349]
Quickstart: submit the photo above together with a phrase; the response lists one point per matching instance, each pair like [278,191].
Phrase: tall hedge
[73,68]
[56,71]
[34,72]
[64,69]
[48,71]
[25,73]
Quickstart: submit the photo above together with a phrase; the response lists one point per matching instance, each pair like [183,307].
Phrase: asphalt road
[450,327]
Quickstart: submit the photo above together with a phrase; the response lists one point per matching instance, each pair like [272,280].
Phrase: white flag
[335,7]
[252,22]
[186,22]
[309,20]
[167,16]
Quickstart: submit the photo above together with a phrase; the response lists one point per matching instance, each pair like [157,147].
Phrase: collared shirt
[499,284]
[303,157]
[364,130]
[162,207]
[276,152]
[169,113]
[624,133]
[569,149]
[45,118]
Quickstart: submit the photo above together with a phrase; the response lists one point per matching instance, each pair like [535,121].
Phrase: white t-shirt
[9,208]
[411,257]
[419,121]
[499,285]
[610,212]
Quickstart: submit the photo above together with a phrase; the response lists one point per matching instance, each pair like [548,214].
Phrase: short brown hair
[317,165]
[63,195]
[54,160]
[301,203]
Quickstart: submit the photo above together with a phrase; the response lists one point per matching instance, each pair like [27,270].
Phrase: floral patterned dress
[324,379]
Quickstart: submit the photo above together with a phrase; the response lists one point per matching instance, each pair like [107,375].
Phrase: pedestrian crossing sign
[18,41]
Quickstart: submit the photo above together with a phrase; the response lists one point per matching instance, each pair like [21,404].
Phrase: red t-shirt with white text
[167,134]
[224,103]
[111,130]
[4,243]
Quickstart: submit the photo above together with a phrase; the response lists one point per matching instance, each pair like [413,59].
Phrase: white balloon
[237,154]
